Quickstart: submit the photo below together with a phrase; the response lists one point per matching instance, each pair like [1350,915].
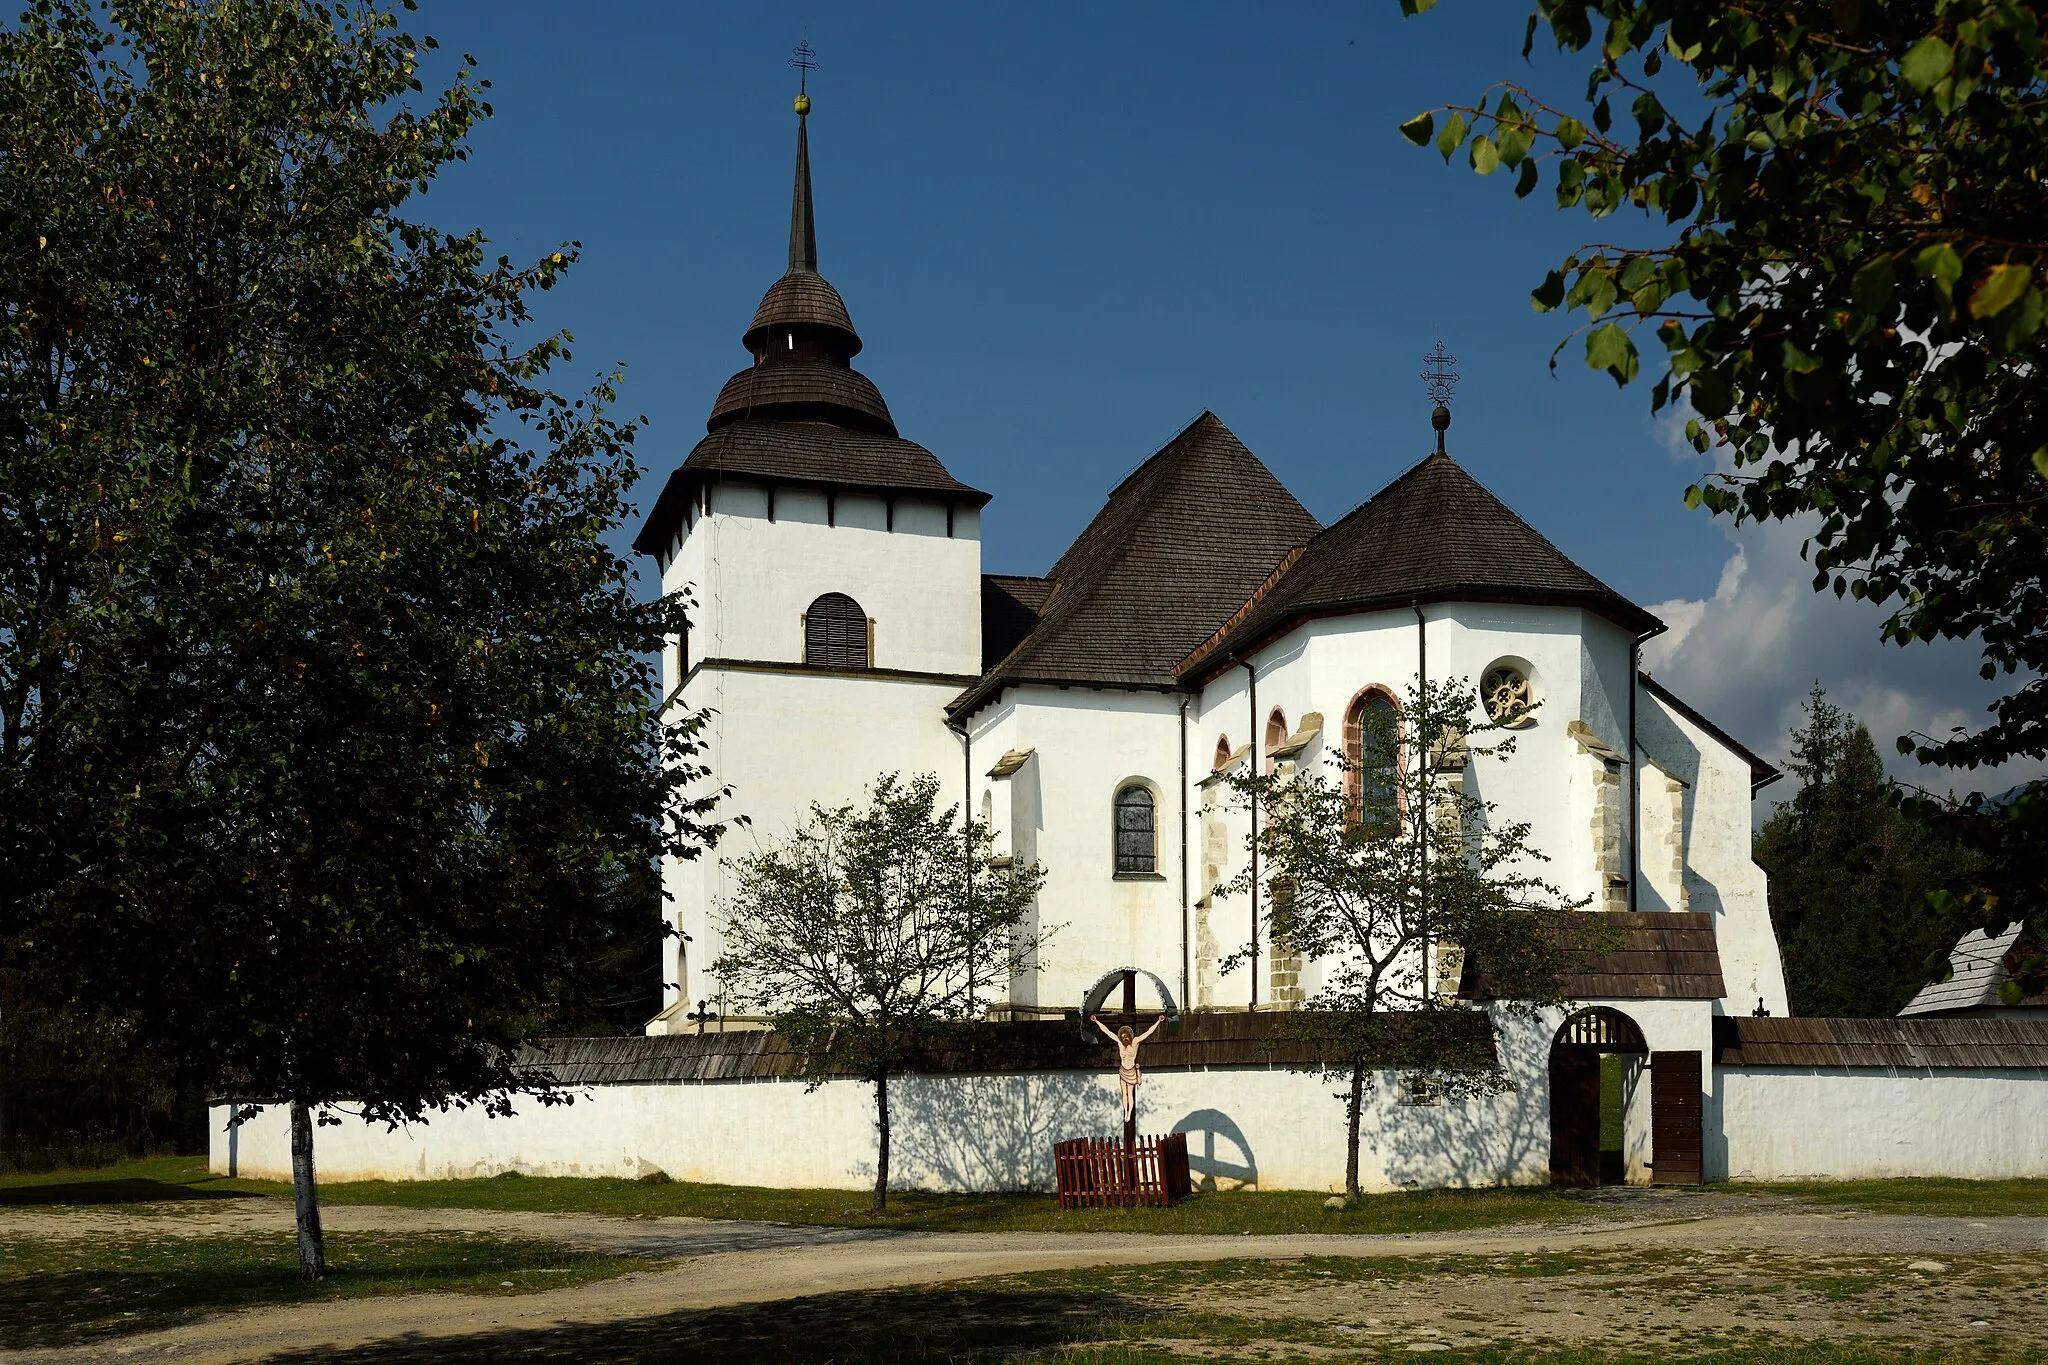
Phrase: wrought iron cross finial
[1441,378]
[805,59]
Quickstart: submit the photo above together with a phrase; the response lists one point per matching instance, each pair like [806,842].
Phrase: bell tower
[835,569]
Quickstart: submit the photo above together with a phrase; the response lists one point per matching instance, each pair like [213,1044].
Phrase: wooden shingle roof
[1978,970]
[1662,955]
[1181,543]
[1201,1040]
[1434,534]
[1908,1044]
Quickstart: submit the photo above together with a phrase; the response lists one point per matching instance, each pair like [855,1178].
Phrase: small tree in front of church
[872,931]
[1382,866]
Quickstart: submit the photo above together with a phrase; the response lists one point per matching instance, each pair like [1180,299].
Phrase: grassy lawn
[175,1180]
[1941,1198]
[185,1179]
[55,1293]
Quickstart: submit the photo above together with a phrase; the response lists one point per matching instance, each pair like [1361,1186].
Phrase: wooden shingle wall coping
[1203,1040]
[1905,1044]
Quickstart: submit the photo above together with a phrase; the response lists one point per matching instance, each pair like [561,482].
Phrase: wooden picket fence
[1101,1172]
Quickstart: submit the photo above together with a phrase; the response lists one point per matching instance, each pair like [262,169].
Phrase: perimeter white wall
[1267,1128]
[1779,1123]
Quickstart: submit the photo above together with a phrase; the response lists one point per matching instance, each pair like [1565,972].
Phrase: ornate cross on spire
[1441,380]
[805,59]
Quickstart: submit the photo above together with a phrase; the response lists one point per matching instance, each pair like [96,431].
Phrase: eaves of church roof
[1181,543]
[1435,534]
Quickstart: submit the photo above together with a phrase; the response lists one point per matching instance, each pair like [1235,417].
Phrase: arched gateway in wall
[1597,1061]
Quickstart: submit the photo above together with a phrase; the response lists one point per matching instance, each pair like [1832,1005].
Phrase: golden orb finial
[803,105]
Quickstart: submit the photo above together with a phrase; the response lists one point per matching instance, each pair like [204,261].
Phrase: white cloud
[1748,655]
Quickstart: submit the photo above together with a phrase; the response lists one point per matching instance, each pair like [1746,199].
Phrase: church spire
[803,227]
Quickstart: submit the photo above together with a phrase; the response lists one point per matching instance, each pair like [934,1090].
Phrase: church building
[1203,622]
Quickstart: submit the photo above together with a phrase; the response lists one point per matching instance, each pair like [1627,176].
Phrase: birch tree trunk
[306,1202]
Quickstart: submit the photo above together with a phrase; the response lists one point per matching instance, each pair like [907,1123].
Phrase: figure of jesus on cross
[1127,1073]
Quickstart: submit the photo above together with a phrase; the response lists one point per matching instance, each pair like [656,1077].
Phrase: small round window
[1505,689]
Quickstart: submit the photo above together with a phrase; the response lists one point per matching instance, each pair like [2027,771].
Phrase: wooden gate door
[1677,1097]
[1574,1116]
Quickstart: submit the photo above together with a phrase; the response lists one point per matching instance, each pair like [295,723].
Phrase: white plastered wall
[1771,1123]
[753,578]
[1057,811]
[1720,877]
[783,740]
[1262,1127]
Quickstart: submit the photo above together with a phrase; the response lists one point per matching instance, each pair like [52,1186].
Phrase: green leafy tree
[329,711]
[872,932]
[1846,270]
[1389,872]
[1850,874]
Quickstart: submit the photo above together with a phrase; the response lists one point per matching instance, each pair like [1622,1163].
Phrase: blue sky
[1064,230]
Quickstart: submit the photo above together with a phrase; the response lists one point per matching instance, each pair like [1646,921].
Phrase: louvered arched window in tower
[836,633]
[1137,833]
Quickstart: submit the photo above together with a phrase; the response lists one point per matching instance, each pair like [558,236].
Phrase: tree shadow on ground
[132,1191]
[874,1328]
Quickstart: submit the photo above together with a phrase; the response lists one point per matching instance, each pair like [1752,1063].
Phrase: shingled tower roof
[1185,540]
[800,413]
[1435,534]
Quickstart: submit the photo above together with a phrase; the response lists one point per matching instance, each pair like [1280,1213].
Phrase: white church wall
[784,739]
[1264,1128]
[1720,876]
[1088,743]
[1770,1123]
[754,578]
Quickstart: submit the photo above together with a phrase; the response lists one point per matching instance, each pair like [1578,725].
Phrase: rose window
[1506,690]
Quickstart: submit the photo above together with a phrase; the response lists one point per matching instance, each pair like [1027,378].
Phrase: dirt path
[719,1264]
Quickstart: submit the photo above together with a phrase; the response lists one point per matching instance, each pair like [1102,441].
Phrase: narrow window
[1222,753]
[683,654]
[1136,835]
[1276,735]
[1371,751]
[836,633]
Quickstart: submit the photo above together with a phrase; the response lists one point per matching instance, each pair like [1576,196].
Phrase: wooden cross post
[1131,1123]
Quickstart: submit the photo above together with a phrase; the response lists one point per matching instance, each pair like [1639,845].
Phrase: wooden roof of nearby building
[1907,1044]
[1434,534]
[1977,973]
[1662,955]
[1181,543]
[1202,1040]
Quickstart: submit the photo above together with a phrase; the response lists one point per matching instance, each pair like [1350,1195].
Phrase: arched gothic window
[836,633]
[1370,759]
[1137,846]
[1276,735]
[1222,753]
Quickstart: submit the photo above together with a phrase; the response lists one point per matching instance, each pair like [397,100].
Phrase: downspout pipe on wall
[959,728]
[1184,946]
[1252,762]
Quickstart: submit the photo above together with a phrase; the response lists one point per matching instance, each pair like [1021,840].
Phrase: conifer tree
[1850,874]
